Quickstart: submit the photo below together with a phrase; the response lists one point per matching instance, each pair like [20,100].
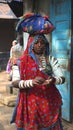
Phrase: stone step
[8,99]
[3,86]
[3,81]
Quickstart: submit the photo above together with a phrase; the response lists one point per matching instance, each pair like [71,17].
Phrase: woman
[39,103]
[9,64]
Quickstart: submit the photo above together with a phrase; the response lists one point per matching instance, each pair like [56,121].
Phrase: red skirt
[39,108]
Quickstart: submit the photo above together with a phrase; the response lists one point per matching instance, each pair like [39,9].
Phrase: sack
[15,73]
[35,24]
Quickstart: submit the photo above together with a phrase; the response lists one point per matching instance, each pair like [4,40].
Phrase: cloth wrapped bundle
[15,73]
[35,24]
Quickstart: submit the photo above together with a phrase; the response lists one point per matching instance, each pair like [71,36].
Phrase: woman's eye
[42,42]
[36,43]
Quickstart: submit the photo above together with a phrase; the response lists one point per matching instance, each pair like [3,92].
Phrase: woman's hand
[49,81]
[38,81]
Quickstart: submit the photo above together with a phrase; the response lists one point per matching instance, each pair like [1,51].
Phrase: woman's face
[39,47]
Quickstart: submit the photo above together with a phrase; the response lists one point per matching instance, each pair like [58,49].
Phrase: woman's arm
[15,84]
[57,70]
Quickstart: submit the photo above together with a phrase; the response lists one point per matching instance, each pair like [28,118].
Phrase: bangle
[28,83]
[21,84]
[25,84]
[59,80]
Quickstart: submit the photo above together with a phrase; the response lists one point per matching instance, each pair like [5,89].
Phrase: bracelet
[25,84]
[28,83]
[21,84]
[59,80]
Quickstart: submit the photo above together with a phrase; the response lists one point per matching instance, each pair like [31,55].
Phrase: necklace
[44,65]
[42,61]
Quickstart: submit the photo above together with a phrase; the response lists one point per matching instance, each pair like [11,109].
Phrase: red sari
[39,106]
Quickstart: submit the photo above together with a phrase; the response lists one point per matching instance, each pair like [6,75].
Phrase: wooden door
[60,15]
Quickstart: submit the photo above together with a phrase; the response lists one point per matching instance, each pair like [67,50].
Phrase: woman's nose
[39,44]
